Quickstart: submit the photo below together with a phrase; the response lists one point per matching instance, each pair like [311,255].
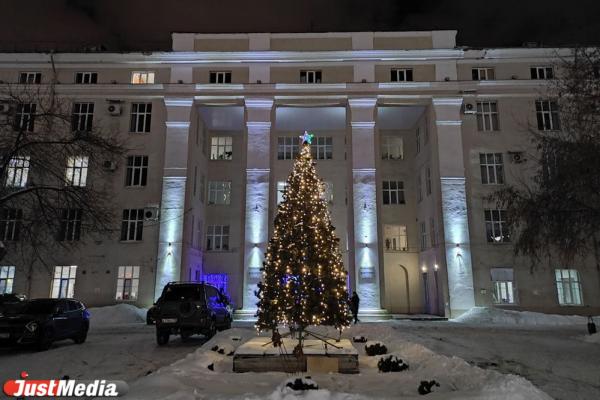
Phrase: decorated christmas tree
[304,281]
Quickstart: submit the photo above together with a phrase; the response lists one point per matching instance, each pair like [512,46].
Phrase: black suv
[188,308]
[43,321]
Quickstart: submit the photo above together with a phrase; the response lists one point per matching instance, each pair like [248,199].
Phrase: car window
[39,307]
[73,305]
[212,294]
[185,293]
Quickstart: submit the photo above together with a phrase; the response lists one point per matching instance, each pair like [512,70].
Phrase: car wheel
[149,321]
[45,340]
[185,335]
[82,336]
[212,329]
[226,324]
[162,337]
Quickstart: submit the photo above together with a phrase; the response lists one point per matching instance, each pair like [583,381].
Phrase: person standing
[354,303]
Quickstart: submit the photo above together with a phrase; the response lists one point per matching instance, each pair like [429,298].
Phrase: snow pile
[595,338]
[497,316]
[191,377]
[117,315]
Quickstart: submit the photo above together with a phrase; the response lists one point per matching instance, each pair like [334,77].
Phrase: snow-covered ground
[498,316]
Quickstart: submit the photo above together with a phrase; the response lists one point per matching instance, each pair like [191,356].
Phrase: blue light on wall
[220,281]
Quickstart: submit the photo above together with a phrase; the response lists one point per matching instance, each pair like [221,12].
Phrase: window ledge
[131,241]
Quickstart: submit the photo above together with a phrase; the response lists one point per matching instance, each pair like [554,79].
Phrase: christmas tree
[304,281]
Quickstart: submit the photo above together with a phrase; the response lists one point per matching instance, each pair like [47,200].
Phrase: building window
[7,278]
[142,77]
[401,74]
[220,77]
[483,74]
[77,169]
[328,192]
[30,77]
[219,192]
[25,117]
[287,147]
[63,283]
[392,148]
[432,232]
[195,180]
[17,172]
[221,148]
[217,238]
[137,171]
[492,168]
[141,117]
[310,76]
[70,225]
[86,78]
[128,280]
[542,72]
[202,187]
[395,238]
[132,224]
[504,287]
[199,230]
[418,140]
[393,192]
[83,115]
[10,224]
[568,287]
[419,187]
[547,115]
[322,148]
[281,185]
[423,235]
[428,181]
[496,227]
[487,116]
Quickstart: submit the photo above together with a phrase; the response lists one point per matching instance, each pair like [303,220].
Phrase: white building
[411,134]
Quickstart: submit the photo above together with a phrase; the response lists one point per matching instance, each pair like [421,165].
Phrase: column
[364,188]
[172,207]
[454,204]
[258,155]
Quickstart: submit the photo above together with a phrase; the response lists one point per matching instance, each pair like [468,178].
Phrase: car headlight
[32,326]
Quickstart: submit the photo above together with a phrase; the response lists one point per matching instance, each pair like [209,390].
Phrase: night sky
[125,25]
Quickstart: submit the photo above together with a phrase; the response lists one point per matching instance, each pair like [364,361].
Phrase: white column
[366,244]
[258,155]
[172,206]
[454,204]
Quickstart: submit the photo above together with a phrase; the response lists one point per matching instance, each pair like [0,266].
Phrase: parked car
[9,301]
[186,309]
[43,321]
[151,315]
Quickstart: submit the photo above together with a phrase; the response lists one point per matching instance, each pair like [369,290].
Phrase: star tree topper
[307,137]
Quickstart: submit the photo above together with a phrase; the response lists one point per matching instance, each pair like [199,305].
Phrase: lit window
[568,287]
[483,74]
[77,169]
[10,224]
[82,117]
[322,148]
[310,76]
[392,148]
[492,168]
[18,171]
[7,278]
[142,77]
[547,115]
[496,227]
[86,78]
[504,288]
[542,72]
[221,148]
[132,224]
[217,238]
[220,77]
[395,238]
[25,117]
[63,283]
[70,225]
[137,171]
[219,192]
[487,116]
[287,147]
[128,280]
[30,77]
[401,75]
[141,117]
[393,192]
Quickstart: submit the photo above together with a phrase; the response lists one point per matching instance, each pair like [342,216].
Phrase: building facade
[411,136]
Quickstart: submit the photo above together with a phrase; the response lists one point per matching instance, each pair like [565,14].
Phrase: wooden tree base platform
[258,355]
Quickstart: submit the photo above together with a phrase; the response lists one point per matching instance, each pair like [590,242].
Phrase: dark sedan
[43,321]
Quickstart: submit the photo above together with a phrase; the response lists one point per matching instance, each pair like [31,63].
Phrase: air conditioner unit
[469,108]
[151,212]
[114,109]
[4,108]
[516,157]
[109,165]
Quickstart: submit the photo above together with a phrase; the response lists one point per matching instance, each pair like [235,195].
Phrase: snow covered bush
[391,364]
[426,387]
[223,349]
[301,384]
[359,339]
[375,348]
